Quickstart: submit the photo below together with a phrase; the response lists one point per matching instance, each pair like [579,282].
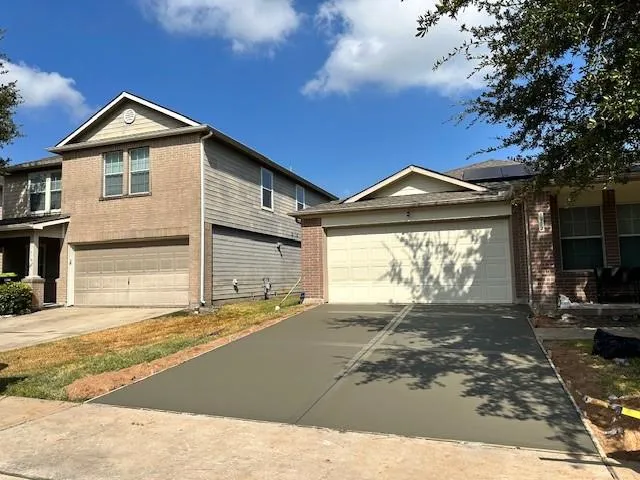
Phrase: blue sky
[338,90]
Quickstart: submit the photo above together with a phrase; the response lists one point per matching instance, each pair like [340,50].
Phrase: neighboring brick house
[145,206]
[467,236]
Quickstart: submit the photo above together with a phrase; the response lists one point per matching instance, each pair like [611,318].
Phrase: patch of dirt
[95,385]
[582,379]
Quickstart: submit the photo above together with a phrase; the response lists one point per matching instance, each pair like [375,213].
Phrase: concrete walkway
[63,440]
[582,333]
[56,323]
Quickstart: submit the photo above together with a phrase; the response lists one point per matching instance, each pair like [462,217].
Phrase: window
[113,174]
[300,204]
[267,189]
[45,192]
[629,233]
[581,238]
[139,170]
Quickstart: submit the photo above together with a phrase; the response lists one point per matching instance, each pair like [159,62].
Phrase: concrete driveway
[468,373]
[55,323]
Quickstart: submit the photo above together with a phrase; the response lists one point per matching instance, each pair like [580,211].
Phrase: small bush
[15,298]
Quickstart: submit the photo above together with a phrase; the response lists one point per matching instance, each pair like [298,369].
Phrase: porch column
[34,243]
[32,279]
[542,255]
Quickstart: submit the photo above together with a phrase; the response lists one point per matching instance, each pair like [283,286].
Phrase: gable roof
[413,169]
[124,96]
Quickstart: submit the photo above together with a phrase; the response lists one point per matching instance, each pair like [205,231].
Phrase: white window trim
[47,193]
[601,237]
[262,187]
[131,172]
[623,235]
[105,174]
[300,188]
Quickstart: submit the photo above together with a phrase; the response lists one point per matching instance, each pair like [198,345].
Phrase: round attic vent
[129,116]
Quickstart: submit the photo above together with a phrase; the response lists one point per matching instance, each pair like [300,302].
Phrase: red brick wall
[610,228]
[581,286]
[520,260]
[541,243]
[313,261]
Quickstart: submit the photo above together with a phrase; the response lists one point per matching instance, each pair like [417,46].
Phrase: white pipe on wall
[202,203]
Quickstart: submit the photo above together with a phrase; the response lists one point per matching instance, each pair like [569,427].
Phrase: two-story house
[145,206]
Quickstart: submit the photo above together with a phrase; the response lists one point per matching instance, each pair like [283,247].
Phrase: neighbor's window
[56,191]
[581,238]
[139,170]
[300,203]
[45,190]
[267,189]
[113,174]
[629,233]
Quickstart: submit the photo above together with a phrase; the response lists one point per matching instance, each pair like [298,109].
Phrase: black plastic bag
[607,345]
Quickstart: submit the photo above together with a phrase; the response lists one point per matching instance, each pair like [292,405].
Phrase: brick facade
[171,210]
[541,249]
[313,260]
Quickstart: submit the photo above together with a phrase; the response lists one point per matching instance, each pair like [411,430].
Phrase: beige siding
[113,126]
[16,199]
[415,184]
[232,195]
[249,258]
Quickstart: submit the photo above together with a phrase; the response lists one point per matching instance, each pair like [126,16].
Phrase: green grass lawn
[44,371]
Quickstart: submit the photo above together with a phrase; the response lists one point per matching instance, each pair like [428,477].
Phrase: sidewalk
[582,333]
[72,441]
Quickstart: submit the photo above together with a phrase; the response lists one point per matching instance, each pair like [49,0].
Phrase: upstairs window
[267,189]
[581,238]
[45,192]
[139,170]
[629,233]
[113,174]
[300,200]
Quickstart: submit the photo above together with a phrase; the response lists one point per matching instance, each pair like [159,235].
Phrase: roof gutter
[132,138]
[202,242]
[364,208]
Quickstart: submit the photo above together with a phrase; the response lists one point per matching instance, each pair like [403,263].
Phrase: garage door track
[469,373]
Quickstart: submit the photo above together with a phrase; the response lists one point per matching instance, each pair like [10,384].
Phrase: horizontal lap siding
[233,195]
[147,120]
[249,257]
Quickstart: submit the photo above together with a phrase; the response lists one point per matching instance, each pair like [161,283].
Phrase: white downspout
[202,243]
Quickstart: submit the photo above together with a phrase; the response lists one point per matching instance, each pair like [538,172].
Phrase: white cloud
[246,23]
[43,89]
[373,43]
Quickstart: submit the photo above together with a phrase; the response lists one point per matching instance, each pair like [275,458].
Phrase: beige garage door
[452,262]
[140,274]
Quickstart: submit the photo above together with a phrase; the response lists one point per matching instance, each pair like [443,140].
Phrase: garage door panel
[133,275]
[453,262]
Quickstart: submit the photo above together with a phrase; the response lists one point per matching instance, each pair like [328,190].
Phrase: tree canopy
[9,100]
[562,75]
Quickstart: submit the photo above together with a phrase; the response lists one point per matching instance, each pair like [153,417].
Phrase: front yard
[596,377]
[85,366]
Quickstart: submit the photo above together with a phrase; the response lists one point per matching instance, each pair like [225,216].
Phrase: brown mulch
[582,380]
[96,385]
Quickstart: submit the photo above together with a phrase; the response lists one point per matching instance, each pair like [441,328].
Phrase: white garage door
[140,274]
[452,262]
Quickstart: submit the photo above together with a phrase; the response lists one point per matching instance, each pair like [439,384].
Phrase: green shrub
[15,298]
